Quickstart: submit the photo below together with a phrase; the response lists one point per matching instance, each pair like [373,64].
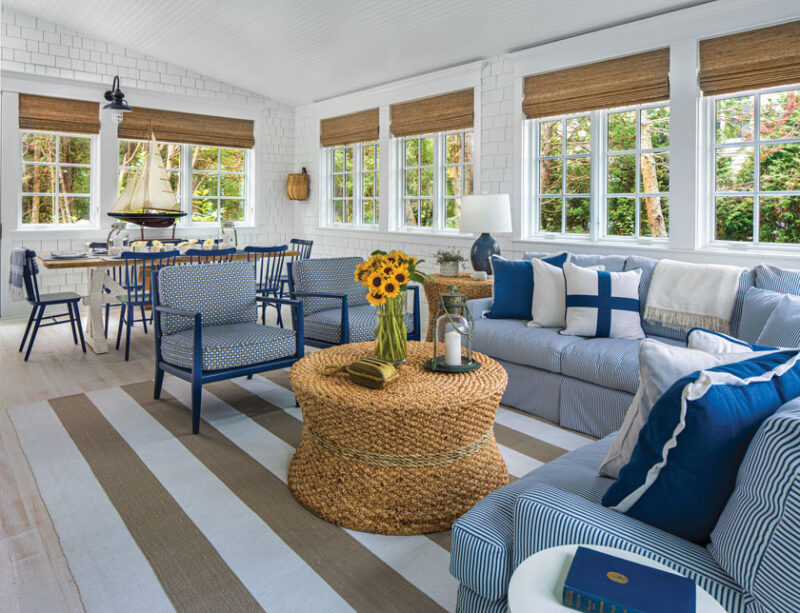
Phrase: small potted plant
[448,260]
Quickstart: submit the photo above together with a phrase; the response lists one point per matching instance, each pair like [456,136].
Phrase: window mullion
[597,184]
[564,176]
[637,179]
[358,183]
[438,165]
[756,168]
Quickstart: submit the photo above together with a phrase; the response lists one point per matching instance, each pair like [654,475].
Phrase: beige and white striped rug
[152,518]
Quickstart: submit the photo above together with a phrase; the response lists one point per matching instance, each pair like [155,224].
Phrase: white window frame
[711,148]
[534,126]
[186,156]
[599,155]
[358,172]
[439,165]
[185,172]
[638,194]
[92,222]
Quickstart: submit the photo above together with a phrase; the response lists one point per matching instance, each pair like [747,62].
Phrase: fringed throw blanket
[16,275]
[687,296]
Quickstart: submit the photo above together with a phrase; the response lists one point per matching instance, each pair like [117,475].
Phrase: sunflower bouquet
[386,277]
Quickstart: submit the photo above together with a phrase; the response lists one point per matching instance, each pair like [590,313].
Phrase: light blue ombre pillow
[683,468]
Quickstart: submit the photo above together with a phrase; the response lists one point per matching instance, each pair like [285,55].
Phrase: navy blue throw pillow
[513,286]
[683,468]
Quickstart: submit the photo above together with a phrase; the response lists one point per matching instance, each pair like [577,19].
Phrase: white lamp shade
[485,213]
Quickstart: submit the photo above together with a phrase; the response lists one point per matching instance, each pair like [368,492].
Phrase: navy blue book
[598,582]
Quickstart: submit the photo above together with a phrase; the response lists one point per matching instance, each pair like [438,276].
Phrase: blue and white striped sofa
[588,384]
[757,539]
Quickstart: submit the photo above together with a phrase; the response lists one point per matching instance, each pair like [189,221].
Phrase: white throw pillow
[602,304]
[548,308]
[717,342]
[660,365]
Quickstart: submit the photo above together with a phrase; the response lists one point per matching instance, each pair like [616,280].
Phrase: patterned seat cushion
[230,345]
[224,293]
[326,325]
[328,276]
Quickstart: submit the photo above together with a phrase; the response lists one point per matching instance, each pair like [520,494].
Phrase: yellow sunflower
[401,275]
[391,288]
[388,270]
[375,282]
[376,298]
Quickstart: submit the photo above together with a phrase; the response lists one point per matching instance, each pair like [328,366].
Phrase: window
[218,184]
[436,170]
[217,177]
[564,169]
[56,178]
[756,168]
[609,165]
[354,184]
[637,172]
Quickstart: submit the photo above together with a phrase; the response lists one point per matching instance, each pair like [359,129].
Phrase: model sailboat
[148,199]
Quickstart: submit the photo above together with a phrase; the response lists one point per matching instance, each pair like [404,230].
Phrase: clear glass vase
[391,336]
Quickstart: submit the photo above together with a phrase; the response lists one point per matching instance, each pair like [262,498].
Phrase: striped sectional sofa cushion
[223,293]
[548,517]
[756,539]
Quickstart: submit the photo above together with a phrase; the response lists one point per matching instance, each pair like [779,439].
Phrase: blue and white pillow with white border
[683,468]
[602,304]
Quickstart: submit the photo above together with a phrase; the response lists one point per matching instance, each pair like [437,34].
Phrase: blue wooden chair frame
[196,376]
[206,256]
[268,262]
[137,268]
[40,302]
[304,247]
[345,318]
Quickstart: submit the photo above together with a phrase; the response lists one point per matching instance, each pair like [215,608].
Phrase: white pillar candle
[452,348]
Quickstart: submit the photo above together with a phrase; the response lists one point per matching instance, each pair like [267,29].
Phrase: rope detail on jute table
[416,460]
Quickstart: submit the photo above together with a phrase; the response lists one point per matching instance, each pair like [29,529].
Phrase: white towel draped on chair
[686,296]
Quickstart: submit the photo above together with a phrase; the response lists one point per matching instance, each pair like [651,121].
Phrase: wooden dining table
[103,288]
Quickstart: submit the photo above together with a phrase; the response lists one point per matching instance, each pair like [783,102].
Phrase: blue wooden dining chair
[207,256]
[304,248]
[268,262]
[138,268]
[206,327]
[40,302]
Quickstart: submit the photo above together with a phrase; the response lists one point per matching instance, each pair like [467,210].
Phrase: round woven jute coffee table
[407,459]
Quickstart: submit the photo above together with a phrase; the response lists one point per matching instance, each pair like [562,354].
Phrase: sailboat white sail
[149,189]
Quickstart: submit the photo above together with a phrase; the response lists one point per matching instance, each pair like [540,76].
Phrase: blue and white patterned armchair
[206,323]
[335,304]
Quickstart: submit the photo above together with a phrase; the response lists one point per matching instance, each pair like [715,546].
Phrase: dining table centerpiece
[386,277]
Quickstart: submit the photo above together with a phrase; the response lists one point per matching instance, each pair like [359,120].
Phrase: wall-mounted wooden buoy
[297,186]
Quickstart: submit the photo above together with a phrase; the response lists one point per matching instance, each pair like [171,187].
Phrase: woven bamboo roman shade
[357,127]
[766,57]
[633,79]
[453,111]
[178,127]
[58,114]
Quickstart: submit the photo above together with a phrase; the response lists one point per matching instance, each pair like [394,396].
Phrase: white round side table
[537,583]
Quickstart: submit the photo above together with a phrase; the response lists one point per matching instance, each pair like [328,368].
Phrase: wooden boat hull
[149,220]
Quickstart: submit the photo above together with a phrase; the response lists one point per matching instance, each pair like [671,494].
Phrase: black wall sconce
[117,102]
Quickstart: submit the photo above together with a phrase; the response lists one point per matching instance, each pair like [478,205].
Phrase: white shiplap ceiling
[298,51]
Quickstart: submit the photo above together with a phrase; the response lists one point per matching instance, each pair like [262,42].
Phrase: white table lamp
[482,214]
